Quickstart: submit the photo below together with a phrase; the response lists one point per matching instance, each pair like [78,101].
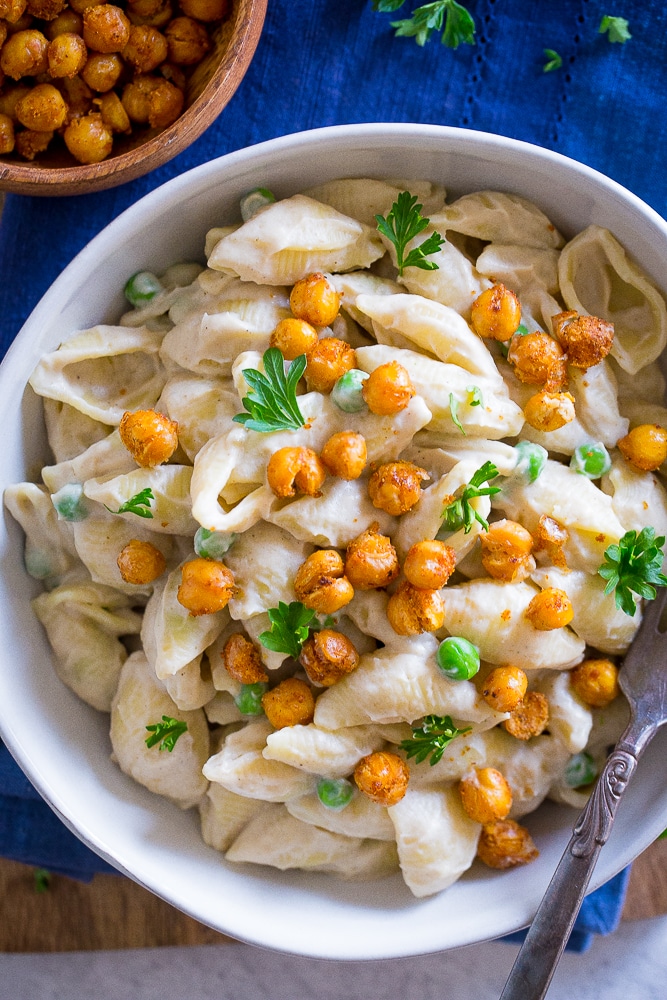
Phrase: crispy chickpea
[146,48]
[42,109]
[67,23]
[550,536]
[371,560]
[290,703]
[12,10]
[587,339]
[105,28]
[206,586]
[45,10]
[22,23]
[295,467]
[329,359]
[506,551]
[396,486]
[538,359]
[496,313]
[152,100]
[595,682]
[10,98]
[113,113]
[412,610]
[327,656]
[388,389]
[429,564]
[157,13]
[24,54]
[187,41]
[102,71]
[383,777]
[315,300]
[293,337]
[529,718]
[485,794]
[80,6]
[504,688]
[505,844]
[67,55]
[344,455]
[88,139]
[140,562]
[242,660]
[29,144]
[645,447]
[150,437]
[320,582]
[205,10]
[549,609]
[549,411]
[6,134]
[78,95]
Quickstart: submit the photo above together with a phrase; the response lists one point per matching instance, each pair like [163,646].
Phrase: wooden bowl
[209,90]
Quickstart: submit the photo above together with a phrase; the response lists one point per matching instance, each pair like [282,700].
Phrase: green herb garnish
[166,733]
[616,29]
[431,736]
[290,626]
[272,403]
[404,221]
[139,504]
[42,879]
[634,565]
[448,16]
[475,394]
[454,410]
[554,61]
[460,513]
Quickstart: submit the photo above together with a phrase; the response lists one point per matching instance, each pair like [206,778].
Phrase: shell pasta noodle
[349,529]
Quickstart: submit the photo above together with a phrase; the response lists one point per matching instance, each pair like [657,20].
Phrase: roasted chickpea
[549,609]
[645,447]
[529,718]
[67,55]
[329,359]
[12,10]
[587,339]
[24,54]
[396,486]
[549,411]
[67,23]
[150,437]
[388,389]
[550,536]
[152,100]
[383,777]
[22,23]
[506,551]
[88,139]
[595,682]
[146,48]
[538,359]
[344,455]
[206,586]
[80,6]
[29,144]
[187,41]
[496,313]
[10,98]
[429,564]
[205,10]
[242,660]
[505,844]
[6,134]
[485,794]
[293,337]
[102,71]
[113,113]
[412,610]
[140,562]
[290,703]
[157,13]
[320,582]
[315,300]
[45,10]
[42,109]
[371,560]
[327,656]
[504,688]
[78,95]
[105,28]
[295,467]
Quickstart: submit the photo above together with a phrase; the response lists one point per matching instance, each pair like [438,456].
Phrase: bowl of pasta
[318,509]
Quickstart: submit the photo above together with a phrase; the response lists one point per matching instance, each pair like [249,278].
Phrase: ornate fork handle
[594,825]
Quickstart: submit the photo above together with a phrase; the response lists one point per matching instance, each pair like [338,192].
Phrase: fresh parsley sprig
[634,566]
[460,513]
[554,61]
[451,18]
[616,29]
[166,733]
[139,504]
[431,736]
[290,627]
[272,404]
[404,221]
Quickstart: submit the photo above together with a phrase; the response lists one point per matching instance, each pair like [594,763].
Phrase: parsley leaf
[616,28]
[634,566]
[475,393]
[454,410]
[460,513]
[404,221]
[290,626]
[554,61]
[431,736]
[459,26]
[139,504]
[272,404]
[387,5]
[166,733]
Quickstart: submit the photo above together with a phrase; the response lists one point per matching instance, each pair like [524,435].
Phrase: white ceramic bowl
[63,744]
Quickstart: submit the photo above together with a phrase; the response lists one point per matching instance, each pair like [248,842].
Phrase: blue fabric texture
[324,62]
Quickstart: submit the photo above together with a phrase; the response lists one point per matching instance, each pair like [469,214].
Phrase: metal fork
[643,680]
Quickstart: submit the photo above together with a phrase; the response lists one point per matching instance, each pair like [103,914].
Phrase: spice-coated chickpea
[140,562]
[371,560]
[549,609]
[67,55]
[506,551]
[549,411]
[80,6]
[315,300]
[88,139]
[6,134]
[344,455]
[538,359]
[10,98]
[645,447]
[388,389]
[12,10]
[206,586]
[293,337]
[187,41]
[395,487]
[329,359]
[45,10]
[290,703]
[105,28]
[102,71]
[496,313]
[587,339]
[320,582]
[383,777]
[157,13]
[22,23]
[412,610]
[292,469]
[429,564]
[24,54]
[242,660]
[146,48]
[327,656]
[152,100]
[205,10]
[29,144]
[42,109]
[485,794]
[504,688]
[67,23]
[550,536]
[529,718]
[595,682]
[113,113]
[149,436]
[505,844]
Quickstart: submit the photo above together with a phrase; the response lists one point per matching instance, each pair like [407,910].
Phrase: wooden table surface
[111,912]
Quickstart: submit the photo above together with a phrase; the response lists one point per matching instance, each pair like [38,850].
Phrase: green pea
[334,793]
[249,699]
[530,459]
[346,393]
[457,658]
[213,544]
[591,459]
[580,770]
[142,287]
[251,202]
[70,503]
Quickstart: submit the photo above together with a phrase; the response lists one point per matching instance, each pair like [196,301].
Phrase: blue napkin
[324,62]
